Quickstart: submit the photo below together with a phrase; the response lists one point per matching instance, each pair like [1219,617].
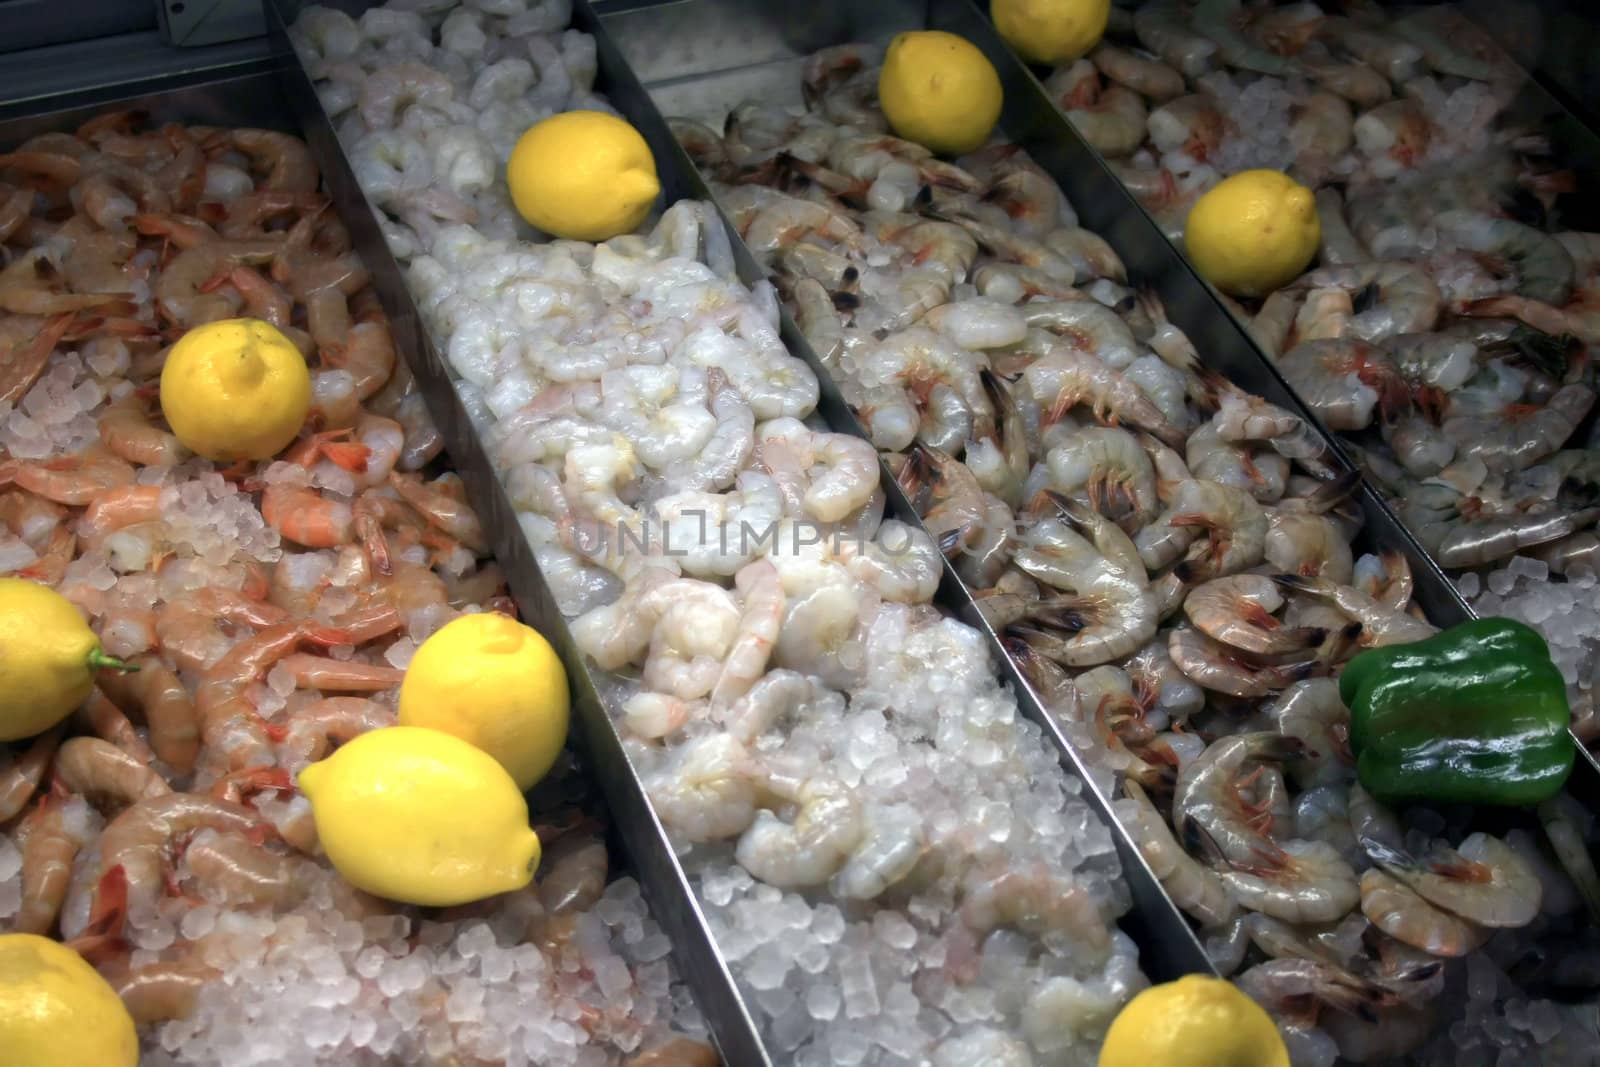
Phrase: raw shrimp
[1147,77]
[1218,20]
[1436,38]
[787,221]
[127,431]
[1037,900]
[444,510]
[1516,435]
[1107,465]
[50,836]
[1394,136]
[1193,887]
[1163,28]
[313,729]
[1063,377]
[760,618]
[1403,915]
[946,494]
[1192,125]
[1111,119]
[1339,246]
[708,789]
[1308,544]
[1482,880]
[1209,793]
[233,733]
[695,626]
[109,777]
[1312,713]
[1380,624]
[164,701]
[1087,326]
[1217,668]
[138,840]
[827,827]
[978,323]
[1238,611]
[1344,380]
[237,871]
[1408,301]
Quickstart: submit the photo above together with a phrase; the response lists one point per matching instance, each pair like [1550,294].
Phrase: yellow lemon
[421,817]
[1253,232]
[48,656]
[1196,1020]
[56,1010]
[235,389]
[495,683]
[1050,31]
[938,90]
[584,175]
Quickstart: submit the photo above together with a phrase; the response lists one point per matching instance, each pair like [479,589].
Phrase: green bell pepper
[1476,714]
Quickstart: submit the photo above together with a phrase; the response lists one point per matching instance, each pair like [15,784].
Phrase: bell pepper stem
[99,661]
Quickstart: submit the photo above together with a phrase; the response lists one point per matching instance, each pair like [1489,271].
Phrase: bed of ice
[318,985]
[1567,613]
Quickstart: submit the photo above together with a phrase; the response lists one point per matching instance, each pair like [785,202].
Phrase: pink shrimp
[233,732]
[315,728]
[105,720]
[262,297]
[127,430]
[26,345]
[120,507]
[441,508]
[367,354]
[50,843]
[105,775]
[306,517]
[22,776]
[344,676]
[158,991]
[135,846]
[73,480]
[168,710]
[243,873]
[190,630]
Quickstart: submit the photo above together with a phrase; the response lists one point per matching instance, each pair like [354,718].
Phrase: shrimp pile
[269,609]
[1446,329]
[891,859]
[1181,95]
[1167,558]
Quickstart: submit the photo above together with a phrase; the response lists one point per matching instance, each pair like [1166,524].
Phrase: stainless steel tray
[700,58]
[280,97]
[1168,946]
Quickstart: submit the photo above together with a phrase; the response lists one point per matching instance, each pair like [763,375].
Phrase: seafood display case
[934,816]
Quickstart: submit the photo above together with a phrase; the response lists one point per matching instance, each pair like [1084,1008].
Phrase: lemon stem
[99,661]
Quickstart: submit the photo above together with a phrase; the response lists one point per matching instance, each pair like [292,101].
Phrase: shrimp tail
[1386,856]
[994,388]
[1301,583]
[1334,491]
[109,912]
